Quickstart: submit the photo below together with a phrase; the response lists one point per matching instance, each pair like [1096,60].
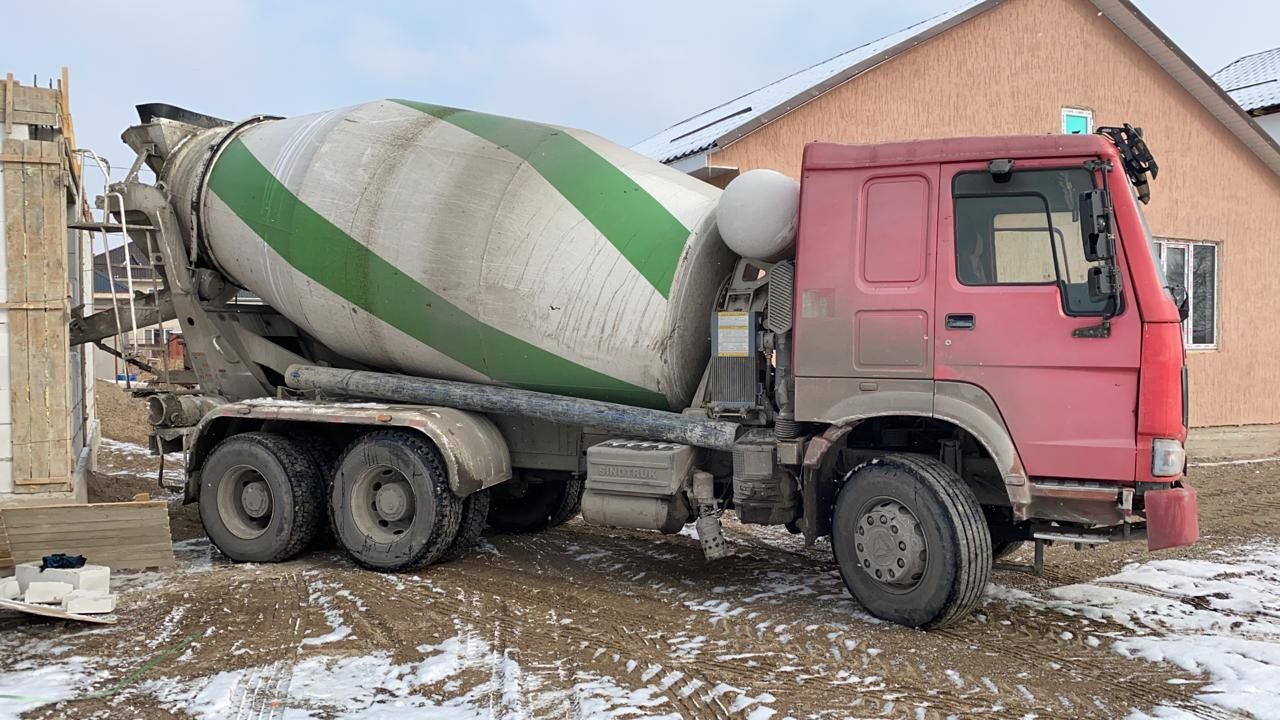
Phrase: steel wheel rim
[890,546]
[245,503]
[383,503]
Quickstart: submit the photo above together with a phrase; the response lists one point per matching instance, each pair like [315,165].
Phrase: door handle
[963,321]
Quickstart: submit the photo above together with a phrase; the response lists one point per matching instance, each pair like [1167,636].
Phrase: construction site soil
[582,621]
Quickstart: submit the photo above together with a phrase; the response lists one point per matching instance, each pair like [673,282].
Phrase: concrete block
[47,592]
[89,577]
[9,589]
[89,602]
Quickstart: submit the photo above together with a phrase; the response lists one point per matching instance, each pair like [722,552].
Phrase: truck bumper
[1173,517]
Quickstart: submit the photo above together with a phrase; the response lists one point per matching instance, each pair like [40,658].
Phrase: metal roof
[709,128]
[1253,81]
[742,116]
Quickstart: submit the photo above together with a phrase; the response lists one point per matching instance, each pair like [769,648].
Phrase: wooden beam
[8,105]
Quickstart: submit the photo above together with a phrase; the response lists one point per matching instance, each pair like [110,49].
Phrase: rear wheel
[475,513]
[325,453]
[911,541]
[261,498]
[533,501]
[392,507]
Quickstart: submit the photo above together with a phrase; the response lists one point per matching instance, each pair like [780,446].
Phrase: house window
[1076,121]
[1193,266]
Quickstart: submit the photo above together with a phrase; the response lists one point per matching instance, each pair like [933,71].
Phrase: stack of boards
[122,536]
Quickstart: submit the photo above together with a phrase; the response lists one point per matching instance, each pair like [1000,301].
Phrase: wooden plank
[15,249]
[53,612]
[32,99]
[36,281]
[8,104]
[132,535]
[28,161]
[6,557]
[57,321]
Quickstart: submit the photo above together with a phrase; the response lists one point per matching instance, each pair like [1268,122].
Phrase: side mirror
[1095,225]
[1180,298]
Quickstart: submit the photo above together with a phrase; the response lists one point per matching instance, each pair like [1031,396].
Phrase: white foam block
[47,592]
[89,577]
[9,589]
[89,602]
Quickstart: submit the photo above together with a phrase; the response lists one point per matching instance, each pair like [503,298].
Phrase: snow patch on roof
[701,131]
[1253,81]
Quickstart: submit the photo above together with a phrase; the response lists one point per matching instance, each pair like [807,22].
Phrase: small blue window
[1076,122]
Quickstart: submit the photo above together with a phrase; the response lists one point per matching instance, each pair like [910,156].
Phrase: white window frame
[1076,112]
[1188,247]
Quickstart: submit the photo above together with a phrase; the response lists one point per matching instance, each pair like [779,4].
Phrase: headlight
[1167,458]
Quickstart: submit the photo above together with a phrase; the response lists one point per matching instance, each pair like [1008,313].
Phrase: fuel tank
[452,244]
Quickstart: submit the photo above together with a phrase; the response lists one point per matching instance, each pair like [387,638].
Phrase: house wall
[1010,71]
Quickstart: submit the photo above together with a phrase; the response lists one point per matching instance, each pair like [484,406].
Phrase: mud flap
[1173,518]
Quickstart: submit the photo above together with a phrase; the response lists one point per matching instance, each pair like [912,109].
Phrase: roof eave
[1143,32]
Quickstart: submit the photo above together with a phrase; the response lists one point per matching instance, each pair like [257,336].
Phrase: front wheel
[911,541]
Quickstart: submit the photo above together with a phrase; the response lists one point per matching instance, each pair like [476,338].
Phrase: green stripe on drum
[631,219]
[325,253]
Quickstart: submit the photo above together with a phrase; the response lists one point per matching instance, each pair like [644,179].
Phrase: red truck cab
[979,299]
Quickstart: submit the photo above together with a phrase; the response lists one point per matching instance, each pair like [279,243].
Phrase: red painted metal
[1077,408]
[1173,518]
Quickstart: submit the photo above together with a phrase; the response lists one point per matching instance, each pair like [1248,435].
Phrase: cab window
[1025,231]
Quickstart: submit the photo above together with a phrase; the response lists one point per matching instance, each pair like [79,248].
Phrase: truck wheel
[391,505]
[326,454]
[262,498]
[531,502]
[475,513]
[911,541]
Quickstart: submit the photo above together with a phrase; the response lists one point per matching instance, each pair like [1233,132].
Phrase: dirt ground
[589,622]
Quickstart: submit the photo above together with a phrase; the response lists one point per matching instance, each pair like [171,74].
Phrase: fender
[966,406]
[473,449]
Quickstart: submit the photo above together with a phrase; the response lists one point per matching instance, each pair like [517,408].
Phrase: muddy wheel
[391,505]
[475,514]
[325,453]
[261,498]
[911,541]
[531,502]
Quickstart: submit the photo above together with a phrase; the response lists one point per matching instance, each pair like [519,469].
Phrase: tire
[916,501]
[475,514]
[391,505]
[241,474]
[531,503]
[326,455]
[570,502]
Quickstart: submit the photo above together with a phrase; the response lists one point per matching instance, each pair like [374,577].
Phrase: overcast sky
[623,71]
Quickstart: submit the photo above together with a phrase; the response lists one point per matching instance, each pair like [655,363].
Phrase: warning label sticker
[733,337]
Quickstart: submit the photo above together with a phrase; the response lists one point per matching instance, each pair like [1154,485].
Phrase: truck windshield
[1151,241]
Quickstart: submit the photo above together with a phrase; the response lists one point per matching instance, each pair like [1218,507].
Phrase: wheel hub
[392,502]
[890,544]
[255,498]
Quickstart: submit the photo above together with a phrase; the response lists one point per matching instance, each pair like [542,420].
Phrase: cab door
[1012,296]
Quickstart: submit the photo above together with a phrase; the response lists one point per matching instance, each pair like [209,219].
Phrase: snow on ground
[1217,618]
[462,678]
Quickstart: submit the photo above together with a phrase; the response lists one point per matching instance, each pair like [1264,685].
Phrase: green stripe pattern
[633,221]
[325,253]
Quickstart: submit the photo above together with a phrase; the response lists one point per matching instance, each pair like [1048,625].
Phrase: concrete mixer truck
[406,323]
